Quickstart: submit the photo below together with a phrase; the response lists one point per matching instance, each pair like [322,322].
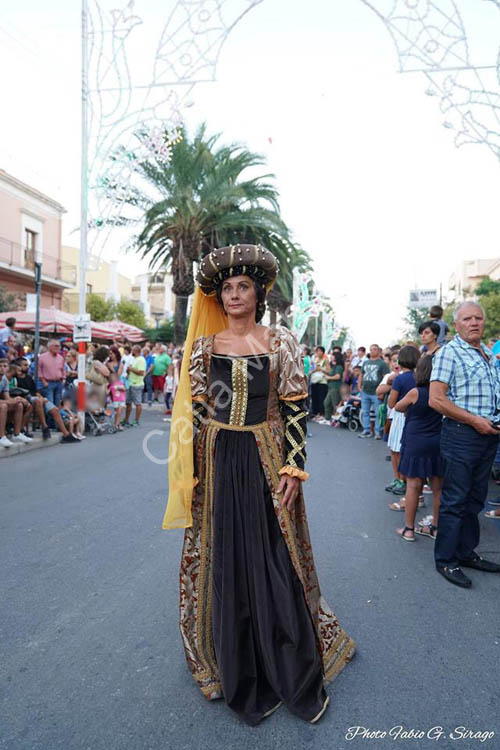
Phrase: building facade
[101,278]
[469,274]
[153,291]
[30,232]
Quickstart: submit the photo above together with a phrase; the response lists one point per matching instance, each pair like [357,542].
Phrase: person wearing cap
[255,627]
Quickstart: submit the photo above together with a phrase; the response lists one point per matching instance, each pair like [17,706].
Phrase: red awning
[53,321]
[125,330]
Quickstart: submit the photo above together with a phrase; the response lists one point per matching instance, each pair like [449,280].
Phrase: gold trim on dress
[237,427]
[294,398]
[239,401]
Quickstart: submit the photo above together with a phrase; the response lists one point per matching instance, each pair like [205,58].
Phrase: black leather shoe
[454,575]
[479,564]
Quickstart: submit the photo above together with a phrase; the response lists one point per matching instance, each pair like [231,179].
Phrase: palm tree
[206,198]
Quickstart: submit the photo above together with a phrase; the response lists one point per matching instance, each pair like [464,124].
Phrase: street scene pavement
[91,651]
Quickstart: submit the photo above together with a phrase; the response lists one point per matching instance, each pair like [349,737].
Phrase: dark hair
[321,347]
[101,354]
[408,357]
[10,322]
[128,348]
[362,349]
[19,360]
[115,351]
[423,370]
[430,324]
[436,311]
[260,294]
[339,359]
[307,352]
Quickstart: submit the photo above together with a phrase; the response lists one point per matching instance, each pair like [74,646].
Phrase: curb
[37,443]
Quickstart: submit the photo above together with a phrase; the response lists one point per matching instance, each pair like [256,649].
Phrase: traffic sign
[81,328]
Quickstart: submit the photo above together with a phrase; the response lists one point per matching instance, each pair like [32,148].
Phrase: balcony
[17,258]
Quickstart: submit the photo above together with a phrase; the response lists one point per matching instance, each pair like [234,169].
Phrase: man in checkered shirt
[465,388]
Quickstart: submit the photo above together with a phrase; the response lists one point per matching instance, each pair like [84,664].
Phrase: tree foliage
[125,310]
[413,320]
[99,308]
[208,195]
[487,286]
[491,304]
[130,312]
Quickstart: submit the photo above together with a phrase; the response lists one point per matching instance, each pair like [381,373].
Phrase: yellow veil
[206,319]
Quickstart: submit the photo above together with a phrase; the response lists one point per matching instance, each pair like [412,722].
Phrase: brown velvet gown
[255,627]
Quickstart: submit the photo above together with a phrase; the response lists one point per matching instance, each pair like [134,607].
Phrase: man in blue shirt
[465,388]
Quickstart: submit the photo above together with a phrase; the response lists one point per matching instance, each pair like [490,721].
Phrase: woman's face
[428,337]
[238,296]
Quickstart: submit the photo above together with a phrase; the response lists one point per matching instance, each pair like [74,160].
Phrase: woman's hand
[290,488]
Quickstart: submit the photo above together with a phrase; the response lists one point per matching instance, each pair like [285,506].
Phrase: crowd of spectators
[399,394]
[119,379]
[436,402]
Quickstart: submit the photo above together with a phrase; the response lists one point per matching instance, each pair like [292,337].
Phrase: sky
[370,181]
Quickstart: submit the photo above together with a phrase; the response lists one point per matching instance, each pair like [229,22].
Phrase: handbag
[95,377]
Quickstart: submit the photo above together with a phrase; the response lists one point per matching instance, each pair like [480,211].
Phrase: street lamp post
[38,289]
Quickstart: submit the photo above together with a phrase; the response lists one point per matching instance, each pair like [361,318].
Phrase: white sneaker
[21,439]
[5,442]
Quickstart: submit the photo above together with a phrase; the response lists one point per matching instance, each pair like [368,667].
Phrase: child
[401,385]
[344,400]
[71,421]
[117,393]
[168,389]
[356,373]
[420,452]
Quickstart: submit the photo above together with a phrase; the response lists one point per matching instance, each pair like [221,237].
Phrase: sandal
[430,533]
[397,506]
[491,514]
[403,532]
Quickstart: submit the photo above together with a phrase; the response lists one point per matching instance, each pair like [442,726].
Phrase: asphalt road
[91,656]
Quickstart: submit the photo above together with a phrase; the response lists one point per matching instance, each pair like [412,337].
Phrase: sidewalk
[38,442]
[55,439]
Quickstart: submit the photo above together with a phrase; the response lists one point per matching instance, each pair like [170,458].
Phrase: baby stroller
[97,421]
[351,416]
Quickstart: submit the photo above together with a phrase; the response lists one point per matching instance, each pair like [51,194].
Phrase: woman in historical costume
[255,627]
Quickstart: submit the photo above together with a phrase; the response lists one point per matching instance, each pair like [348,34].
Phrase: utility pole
[83,208]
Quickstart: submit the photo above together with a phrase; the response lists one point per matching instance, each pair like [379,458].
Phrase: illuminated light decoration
[132,118]
[431,39]
[327,330]
[307,302]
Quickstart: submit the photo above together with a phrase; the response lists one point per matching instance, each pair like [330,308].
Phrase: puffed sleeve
[293,394]
[199,395]
[197,372]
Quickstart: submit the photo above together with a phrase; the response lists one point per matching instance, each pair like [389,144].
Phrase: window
[89,288]
[30,241]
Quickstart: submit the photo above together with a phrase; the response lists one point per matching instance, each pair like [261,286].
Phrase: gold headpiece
[235,260]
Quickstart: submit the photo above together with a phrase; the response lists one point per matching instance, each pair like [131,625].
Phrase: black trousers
[468,458]
[318,395]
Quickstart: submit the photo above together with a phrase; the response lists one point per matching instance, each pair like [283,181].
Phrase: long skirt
[264,640]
